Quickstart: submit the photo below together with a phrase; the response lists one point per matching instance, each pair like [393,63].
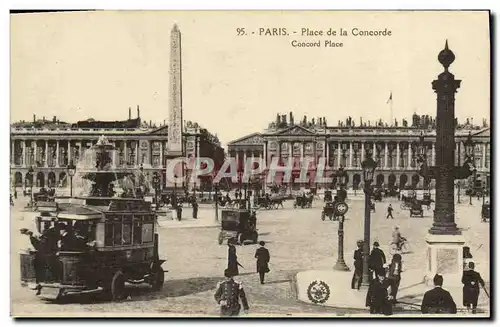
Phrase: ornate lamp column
[71,172]
[445,242]
[340,264]
[368,166]
[469,153]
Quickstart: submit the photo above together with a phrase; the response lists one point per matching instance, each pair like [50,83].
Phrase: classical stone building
[345,145]
[49,146]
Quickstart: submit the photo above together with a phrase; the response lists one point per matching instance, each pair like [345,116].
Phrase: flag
[390,98]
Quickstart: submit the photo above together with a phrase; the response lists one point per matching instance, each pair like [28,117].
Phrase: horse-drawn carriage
[239,224]
[328,196]
[377,194]
[328,211]
[407,200]
[303,201]
[416,209]
[273,202]
[485,212]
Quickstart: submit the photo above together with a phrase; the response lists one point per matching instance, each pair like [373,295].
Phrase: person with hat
[471,280]
[232,258]
[228,295]
[358,266]
[438,300]
[69,241]
[377,258]
[394,275]
[377,297]
[262,256]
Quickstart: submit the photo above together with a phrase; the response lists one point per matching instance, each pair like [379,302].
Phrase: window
[108,234]
[117,233]
[127,230]
[137,235]
[147,233]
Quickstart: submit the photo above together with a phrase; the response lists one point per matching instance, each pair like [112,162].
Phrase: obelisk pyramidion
[174,139]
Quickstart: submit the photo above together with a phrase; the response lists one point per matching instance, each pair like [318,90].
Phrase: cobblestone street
[296,238]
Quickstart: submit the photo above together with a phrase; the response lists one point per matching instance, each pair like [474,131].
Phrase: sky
[98,64]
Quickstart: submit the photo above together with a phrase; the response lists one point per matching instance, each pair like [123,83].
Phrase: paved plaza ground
[297,240]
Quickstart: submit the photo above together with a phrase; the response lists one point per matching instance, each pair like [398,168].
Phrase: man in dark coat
[389,211]
[394,275]
[228,295]
[195,208]
[377,297]
[358,266]
[69,241]
[232,258]
[377,258]
[471,280]
[438,300]
[262,256]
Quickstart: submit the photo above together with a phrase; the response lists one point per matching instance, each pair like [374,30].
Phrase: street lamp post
[458,181]
[216,188]
[340,264]
[156,183]
[422,159]
[71,172]
[368,166]
[31,172]
[469,152]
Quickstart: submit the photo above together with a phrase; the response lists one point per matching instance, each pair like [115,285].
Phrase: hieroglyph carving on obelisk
[174,144]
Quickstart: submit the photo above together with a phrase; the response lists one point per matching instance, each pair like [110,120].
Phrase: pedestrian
[11,200]
[195,208]
[262,256]
[438,300]
[389,211]
[377,297]
[377,258]
[178,209]
[471,280]
[394,275]
[232,258]
[15,194]
[228,295]
[358,266]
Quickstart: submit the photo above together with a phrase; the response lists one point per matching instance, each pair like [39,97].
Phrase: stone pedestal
[445,257]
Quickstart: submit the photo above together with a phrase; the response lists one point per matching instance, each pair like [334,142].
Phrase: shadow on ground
[171,288]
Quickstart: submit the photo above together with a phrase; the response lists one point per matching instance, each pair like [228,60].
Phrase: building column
[433,153]
[237,161]
[23,161]
[161,154]
[244,159]
[374,155]
[350,155]
[385,155]
[57,153]
[265,154]
[137,153]
[46,163]
[12,152]
[125,152]
[398,155]
[362,151]
[326,152]
[483,165]
[339,151]
[69,152]
[35,157]
[301,150]
[409,155]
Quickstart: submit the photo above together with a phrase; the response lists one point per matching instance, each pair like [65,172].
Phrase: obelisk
[174,139]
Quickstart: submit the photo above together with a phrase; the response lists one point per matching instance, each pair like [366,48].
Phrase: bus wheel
[118,286]
[157,277]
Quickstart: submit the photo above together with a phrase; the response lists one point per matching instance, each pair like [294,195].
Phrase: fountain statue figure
[97,168]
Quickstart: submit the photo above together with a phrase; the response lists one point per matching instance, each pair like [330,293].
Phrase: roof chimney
[129,113]
[34,118]
[138,112]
